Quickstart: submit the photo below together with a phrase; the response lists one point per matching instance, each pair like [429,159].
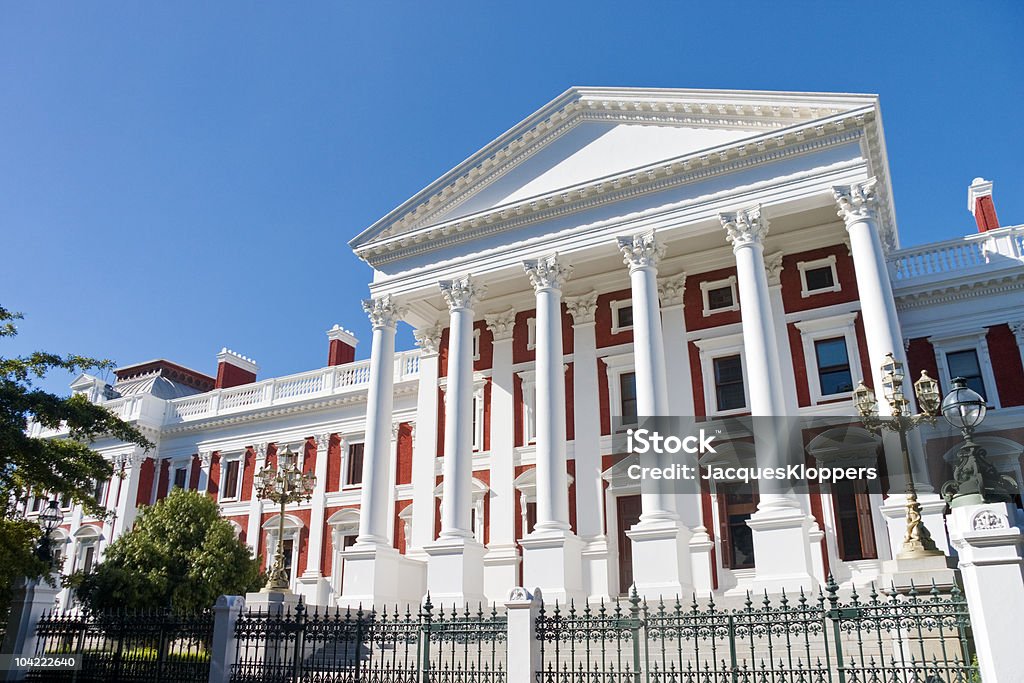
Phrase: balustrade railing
[1002,246]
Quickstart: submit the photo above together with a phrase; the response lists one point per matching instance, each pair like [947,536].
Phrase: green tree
[59,467]
[180,554]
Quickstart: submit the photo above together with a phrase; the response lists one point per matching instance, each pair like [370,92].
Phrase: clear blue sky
[178,177]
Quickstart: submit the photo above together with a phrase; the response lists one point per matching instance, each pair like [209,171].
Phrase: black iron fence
[893,638]
[127,647]
[354,645]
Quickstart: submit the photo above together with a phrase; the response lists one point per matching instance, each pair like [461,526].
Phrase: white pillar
[1017,327]
[314,586]
[205,462]
[129,492]
[783,550]
[773,268]
[991,557]
[424,459]
[523,649]
[660,544]
[501,566]
[375,573]
[252,531]
[392,478]
[455,574]
[551,552]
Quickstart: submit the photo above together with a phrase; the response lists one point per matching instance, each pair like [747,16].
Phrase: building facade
[619,253]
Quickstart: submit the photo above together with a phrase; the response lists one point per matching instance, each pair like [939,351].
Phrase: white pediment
[588,136]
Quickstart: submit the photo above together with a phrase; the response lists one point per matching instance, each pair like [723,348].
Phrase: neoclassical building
[619,253]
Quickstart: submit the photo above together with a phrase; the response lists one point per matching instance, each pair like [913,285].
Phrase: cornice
[727,158]
[941,293]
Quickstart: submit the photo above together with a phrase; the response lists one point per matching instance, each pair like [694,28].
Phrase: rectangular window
[819,278]
[719,298]
[834,376]
[627,392]
[231,479]
[90,557]
[37,503]
[852,509]
[180,478]
[965,364]
[100,493]
[354,475]
[737,502]
[729,383]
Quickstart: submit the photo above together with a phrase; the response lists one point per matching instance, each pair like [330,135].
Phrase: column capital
[744,227]
[856,202]
[773,266]
[1017,327]
[205,458]
[582,307]
[547,272]
[461,293]
[383,311]
[671,289]
[323,441]
[260,450]
[501,324]
[428,339]
[640,251]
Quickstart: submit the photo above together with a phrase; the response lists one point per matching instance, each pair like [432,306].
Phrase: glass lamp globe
[962,407]
[864,400]
[51,517]
[892,377]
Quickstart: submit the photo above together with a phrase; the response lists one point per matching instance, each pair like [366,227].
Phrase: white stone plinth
[501,570]
[378,575]
[702,566]
[313,588]
[272,602]
[783,550]
[920,573]
[661,562]
[596,578]
[552,560]
[455,573]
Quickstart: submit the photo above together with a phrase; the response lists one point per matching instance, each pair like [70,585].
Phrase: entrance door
[628,513]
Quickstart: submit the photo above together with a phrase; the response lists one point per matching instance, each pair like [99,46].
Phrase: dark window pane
[287,549]
[729,383]
[627,389]
[834,376]
[625,316]
[738,503]
[720,297]
[355,464]
[231,480]
[819,278]
[180,477]
[965,364]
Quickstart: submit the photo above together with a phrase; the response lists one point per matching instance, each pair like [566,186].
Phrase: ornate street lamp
[975,479]
[283,485]
[49,519]
[917,542]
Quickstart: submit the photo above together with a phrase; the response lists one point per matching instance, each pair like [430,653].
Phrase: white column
[501,566]
[455,573]
[205,462]
[660,544]
[551,552]
[314,585]
[773,267]
[587,446]
[252,531]
[375,573]
[392,478]
[1017,327]
[424,459]
[128,493]
[783,550]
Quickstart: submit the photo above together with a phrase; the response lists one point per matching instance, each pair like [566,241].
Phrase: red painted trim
[340,353]
[796,345]
[146,473]
[229,375]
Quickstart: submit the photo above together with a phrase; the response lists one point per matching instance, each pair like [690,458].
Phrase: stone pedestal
[902,574]
[552,561]
[272,602]
[30,601]
[701,564]
[378,575]
[661,565]
[522,608]
[455,572]
[501,570]
[933,508]
[783,550]
[313,588]
[991,560]
[595,559]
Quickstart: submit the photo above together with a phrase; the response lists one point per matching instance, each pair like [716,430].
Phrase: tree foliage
[181,554]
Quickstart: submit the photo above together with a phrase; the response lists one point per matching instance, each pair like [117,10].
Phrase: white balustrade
[989,249]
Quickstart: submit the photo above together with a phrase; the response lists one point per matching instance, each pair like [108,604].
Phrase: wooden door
[628,510]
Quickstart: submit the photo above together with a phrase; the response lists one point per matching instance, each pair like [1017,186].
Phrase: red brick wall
[792,287]
[1006,364]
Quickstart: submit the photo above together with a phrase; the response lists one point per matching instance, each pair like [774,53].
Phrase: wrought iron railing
[894,638]
[127,646]
[355,645]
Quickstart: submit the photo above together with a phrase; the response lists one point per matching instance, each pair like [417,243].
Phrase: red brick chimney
[979,203]
[342,346]
[234,369]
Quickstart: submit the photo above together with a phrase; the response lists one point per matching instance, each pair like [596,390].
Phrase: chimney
[234,369]
[342,346]
[979,203]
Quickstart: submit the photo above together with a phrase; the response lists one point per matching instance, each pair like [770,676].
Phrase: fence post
[990,545]
[31,600]
[523,648]
[222,650]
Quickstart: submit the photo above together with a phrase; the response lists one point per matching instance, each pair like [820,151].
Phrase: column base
[552,561]
[313,588]
[455,572]
[378,575]
[661,566]
[783,551]
[702,568]
[596,578]
[501,571]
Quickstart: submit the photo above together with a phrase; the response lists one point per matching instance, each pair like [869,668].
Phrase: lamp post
[917,541]
[49,519]
[975,479]
[285,484]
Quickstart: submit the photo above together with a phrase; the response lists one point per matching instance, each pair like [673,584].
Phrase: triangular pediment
[589,135]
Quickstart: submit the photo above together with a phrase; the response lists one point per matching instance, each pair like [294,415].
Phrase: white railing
[1001,247]
[292,388]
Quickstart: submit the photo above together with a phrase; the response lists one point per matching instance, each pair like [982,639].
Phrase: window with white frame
[87,540]
[724,372]
[531,334]
[719,296]
[966,355]
[476,518]
[230,477]
[819,276]
[622,315]
[180,478]
[831,357]
[730,393]
[354,464]
[100,492]
[289,541]
[621,390]
[965,364]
